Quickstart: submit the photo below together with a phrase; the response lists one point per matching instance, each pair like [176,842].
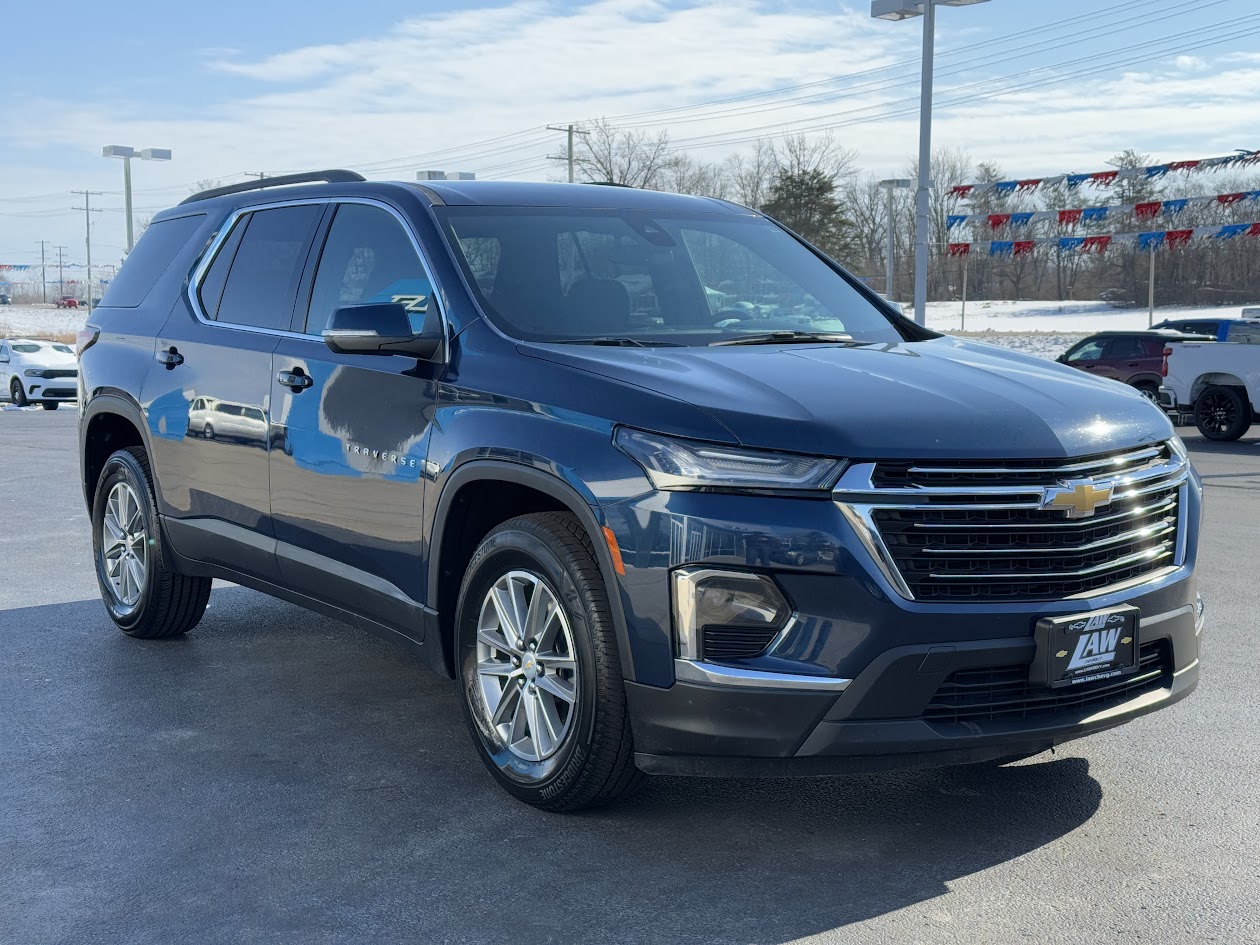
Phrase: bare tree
[634,158]
[685,175]
[751,176]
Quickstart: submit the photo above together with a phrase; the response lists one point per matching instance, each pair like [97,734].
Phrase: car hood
[944,398]
[49,359]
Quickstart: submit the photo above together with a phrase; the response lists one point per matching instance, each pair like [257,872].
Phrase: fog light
[705,598]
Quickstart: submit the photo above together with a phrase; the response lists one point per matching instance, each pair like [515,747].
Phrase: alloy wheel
[124,544]
[1219,412]
[526,666]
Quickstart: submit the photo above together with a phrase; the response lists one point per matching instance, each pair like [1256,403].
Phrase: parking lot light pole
[889,270]
[145,154]
[904,10]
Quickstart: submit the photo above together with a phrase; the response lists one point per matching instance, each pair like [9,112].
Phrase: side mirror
[383,328]
[1062,359]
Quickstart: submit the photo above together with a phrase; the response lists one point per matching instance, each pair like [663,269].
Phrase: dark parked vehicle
[4,299]
[1132,357]
[659,485]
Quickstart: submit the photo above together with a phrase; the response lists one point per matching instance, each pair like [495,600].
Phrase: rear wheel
[50,404]
[16,393]
[1222,413]
[1148,390]
[539,668]
[142,596]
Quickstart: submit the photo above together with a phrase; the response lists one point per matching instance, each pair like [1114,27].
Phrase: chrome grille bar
[1012,544]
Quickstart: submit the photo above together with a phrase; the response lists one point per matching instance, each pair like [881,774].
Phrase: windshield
[26,349]
[652,278]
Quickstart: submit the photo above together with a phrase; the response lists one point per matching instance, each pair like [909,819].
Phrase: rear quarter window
[152,255]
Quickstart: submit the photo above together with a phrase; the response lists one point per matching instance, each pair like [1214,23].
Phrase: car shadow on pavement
[279,777]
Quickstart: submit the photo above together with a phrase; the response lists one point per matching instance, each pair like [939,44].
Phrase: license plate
[1082,648]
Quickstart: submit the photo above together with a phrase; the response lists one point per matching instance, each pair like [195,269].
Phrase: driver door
[350,432]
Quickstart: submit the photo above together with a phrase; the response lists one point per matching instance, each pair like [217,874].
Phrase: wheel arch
[110,421]
[1217,379]
[518,490]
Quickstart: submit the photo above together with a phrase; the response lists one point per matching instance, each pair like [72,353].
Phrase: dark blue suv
[655,481]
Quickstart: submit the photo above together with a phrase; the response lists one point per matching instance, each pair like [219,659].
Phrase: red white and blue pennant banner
[5,267]
[1157,239]
[1143,211]
[1107,178]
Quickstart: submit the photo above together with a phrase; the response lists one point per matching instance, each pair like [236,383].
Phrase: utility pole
[61,267]
[87,209]
[43,277]
[570,130]
[1150,317]
[259,174]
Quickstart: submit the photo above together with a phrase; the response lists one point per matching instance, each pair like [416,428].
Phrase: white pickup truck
[1215,382]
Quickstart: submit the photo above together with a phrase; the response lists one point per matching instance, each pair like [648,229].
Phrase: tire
[142,597]
[1148,390]
[50,404]
[17,394]
[1222,413]
[583,755]
[208,432]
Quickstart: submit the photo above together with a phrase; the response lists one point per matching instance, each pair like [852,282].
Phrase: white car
[42,372]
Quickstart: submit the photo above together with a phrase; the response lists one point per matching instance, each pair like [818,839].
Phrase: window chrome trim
[220,237]
[714,674]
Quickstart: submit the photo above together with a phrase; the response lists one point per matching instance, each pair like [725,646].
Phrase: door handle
[1135,363]
[295,380]
[171,357]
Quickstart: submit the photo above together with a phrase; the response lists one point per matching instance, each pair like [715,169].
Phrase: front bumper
[59,388]
[882,719]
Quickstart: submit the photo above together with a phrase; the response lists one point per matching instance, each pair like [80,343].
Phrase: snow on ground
[17,321]
[1076,317]
[1044,329]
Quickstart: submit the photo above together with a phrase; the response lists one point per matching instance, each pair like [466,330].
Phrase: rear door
[351,432]
[212,395]
[1122,358]
[4,370]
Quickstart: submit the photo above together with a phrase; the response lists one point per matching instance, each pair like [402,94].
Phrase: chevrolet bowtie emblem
[1079,500]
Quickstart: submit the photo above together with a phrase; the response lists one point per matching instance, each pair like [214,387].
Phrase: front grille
[979,532]
[59,392]
[1003,692]
[66,373]
[733,643]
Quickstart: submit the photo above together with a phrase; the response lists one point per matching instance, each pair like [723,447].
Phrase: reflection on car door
[348,450]
[207,396]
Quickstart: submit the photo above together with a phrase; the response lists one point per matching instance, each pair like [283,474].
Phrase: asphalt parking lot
[279,777]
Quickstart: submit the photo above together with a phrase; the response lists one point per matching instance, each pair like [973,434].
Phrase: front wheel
[539,668]
[1222,413]
[143,597]
[16,393]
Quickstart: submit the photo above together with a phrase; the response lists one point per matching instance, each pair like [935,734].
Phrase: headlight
[689,464]
[35,372]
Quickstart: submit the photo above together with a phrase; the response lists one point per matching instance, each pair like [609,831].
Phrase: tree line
[816,186]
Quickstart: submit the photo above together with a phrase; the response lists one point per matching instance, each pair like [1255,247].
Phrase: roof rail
[310,177]
[610,183]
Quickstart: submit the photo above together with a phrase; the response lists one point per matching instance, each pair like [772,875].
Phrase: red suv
[1132,357]
[67,301]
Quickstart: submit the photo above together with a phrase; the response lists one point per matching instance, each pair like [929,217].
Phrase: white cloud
[1190,63]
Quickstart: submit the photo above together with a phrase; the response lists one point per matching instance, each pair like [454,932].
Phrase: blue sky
[269,86]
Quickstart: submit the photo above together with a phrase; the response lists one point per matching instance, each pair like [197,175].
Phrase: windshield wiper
[617,342]
[787,337]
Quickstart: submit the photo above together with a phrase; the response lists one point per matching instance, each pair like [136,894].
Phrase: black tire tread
[1240,427]
[610,769]
[176,601]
